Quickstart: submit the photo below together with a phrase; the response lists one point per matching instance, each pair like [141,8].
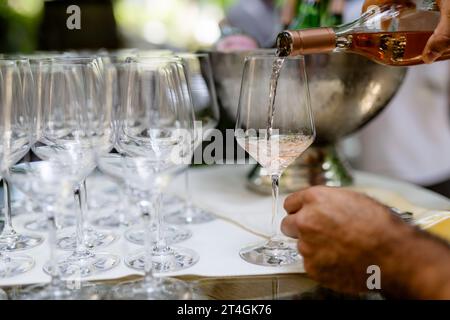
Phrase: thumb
[436,46]
[439,42]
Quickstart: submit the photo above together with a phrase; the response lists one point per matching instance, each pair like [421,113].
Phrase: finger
[436,46]
[289,226]
[439,42]
[305,249]
[294,202]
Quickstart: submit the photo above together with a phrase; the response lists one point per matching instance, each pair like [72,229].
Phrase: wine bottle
[392,34]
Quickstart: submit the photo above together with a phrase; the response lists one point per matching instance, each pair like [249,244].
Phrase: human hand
[439,41]
[341,233]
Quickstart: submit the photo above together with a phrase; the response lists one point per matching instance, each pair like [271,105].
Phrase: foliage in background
[19,22]
[185,24]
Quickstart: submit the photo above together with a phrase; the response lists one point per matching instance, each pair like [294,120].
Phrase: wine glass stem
[148,247]
[160,240]
[51,224]
[80,193]
[8,229]
[123,216]
[275,235]
[188,195]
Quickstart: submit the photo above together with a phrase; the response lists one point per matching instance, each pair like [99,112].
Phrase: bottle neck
[315,40]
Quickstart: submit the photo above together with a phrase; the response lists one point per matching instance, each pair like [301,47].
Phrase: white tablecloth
[244,219]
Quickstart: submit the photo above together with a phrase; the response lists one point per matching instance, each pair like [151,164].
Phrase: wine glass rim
[273,57]
[75,59]
[149,53]
[13,58]
[4,62]
[148,60]
[191,54]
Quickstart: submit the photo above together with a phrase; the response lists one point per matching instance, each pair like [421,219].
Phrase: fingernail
[431,56]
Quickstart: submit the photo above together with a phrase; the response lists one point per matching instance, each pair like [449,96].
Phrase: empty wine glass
[172,234]
[50,183]
[9,82]
[115,80]
[16,119]
[154,136]
[75,122]
[274,125]
[40,67]
[206,111]
[99,116]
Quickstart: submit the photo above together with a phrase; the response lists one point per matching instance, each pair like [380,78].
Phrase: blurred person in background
[250,24]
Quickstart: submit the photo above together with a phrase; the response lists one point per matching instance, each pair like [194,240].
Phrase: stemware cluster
[68,121]
[129,115]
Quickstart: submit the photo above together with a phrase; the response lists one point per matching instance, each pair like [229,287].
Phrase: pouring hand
[341,233]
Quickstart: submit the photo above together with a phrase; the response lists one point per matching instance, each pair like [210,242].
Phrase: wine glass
[16,119]
[97,114]
[115,80]
[40,64]
[50,183]
[75,122]
[172,234]
[206,110]
[155,133]
[112,164]
[13,145]
[274,125]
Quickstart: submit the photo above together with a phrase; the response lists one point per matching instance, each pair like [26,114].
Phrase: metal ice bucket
[347,91]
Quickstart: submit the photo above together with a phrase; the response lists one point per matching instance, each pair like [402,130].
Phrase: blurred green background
[186,24]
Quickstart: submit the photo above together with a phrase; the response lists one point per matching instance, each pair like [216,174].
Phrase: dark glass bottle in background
[309,13]
[333,15]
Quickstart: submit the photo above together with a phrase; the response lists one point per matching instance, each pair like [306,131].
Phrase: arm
[341,233]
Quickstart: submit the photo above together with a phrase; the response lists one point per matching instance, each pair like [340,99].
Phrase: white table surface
[244,218]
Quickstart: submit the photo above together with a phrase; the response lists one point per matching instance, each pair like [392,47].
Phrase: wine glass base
[154,289]
[192,215]
[17,241]
[84,265]
[171,234]
[15,265]
[41,225]
[112,222]
[170,259]
[47,292]
[271,253]
[93,239]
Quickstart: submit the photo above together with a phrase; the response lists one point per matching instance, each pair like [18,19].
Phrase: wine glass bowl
[348,92]
[17,121]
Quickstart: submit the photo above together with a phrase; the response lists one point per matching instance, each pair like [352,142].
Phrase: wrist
[416,264]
